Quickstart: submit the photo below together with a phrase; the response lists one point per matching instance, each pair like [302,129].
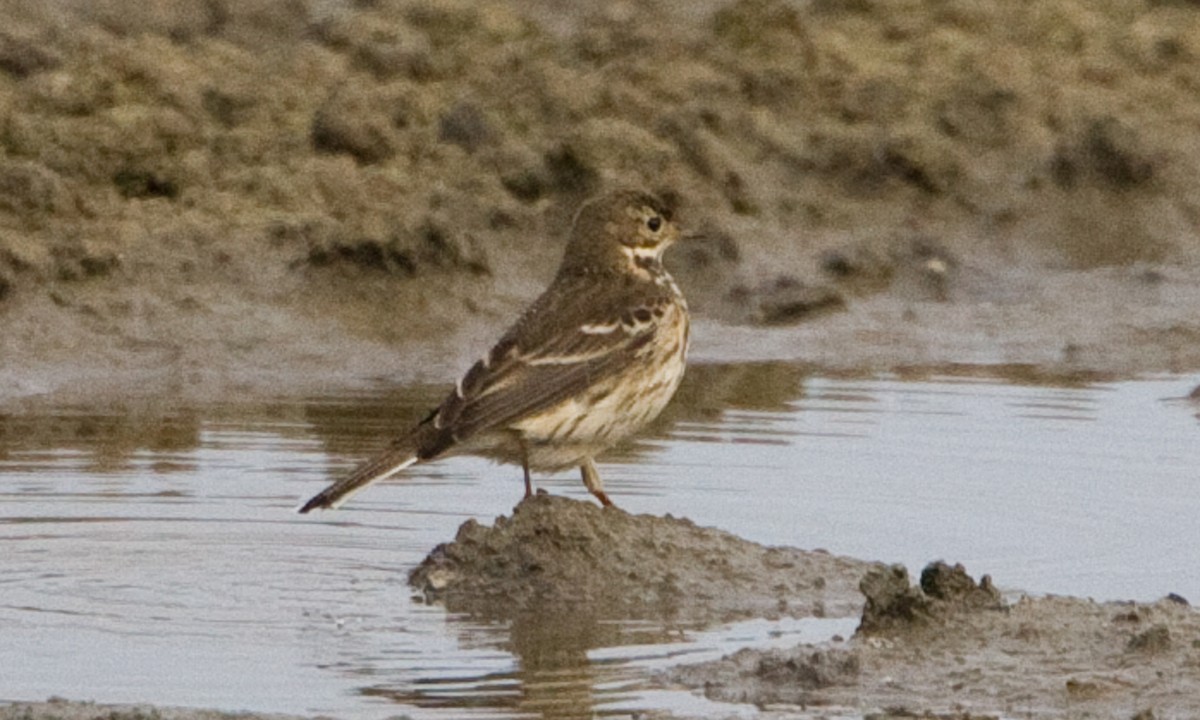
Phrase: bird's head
[622,230]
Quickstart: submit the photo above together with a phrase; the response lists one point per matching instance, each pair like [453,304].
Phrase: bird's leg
[591,479]
[525,467]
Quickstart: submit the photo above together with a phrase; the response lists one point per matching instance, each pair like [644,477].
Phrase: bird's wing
[553,353]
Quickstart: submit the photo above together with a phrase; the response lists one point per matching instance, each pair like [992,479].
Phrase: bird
[591,361]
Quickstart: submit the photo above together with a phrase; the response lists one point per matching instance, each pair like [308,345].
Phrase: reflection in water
[551,650]
[553,677]
[109,439]
[113,438]
[145,543]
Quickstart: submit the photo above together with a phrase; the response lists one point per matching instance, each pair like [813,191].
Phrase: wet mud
[948,647]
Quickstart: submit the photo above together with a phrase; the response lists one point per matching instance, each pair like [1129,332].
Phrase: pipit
[591,361]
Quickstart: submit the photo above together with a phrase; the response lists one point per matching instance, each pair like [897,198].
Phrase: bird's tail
[384,466]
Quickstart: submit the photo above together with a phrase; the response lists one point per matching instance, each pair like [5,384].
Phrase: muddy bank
[202,197]
[949,647]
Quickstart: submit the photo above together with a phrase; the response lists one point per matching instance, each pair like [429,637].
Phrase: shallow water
[150,553]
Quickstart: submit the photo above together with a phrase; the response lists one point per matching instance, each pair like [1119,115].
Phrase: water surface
[150,552]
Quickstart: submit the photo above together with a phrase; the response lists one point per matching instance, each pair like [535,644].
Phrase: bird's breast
[619,405]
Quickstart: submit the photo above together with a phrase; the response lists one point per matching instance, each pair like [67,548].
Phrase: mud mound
[556,552]
[894,605]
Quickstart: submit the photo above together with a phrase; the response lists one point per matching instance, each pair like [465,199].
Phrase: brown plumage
[593,359]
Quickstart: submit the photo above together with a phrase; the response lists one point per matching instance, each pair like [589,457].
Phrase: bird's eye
[654,223]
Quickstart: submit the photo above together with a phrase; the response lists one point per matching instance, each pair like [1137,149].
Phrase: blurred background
[206,193]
